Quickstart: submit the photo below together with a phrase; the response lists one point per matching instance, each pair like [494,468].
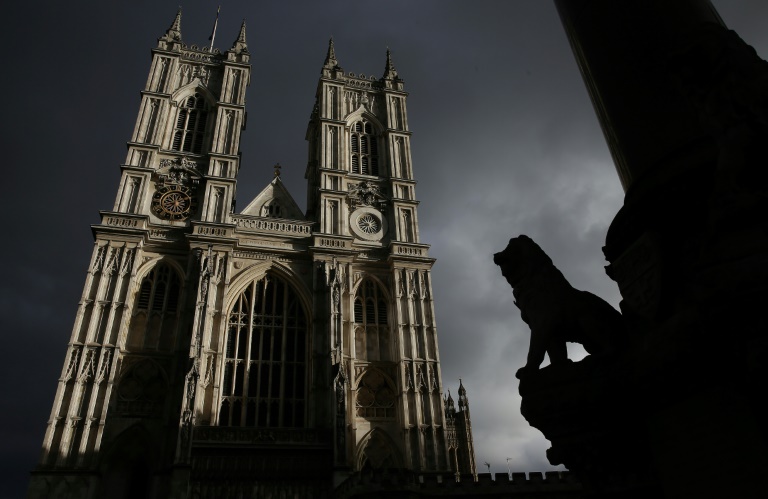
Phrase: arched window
[364,148]
[271,209]
[371,329]
[265,358]
[155,313]
[189,132]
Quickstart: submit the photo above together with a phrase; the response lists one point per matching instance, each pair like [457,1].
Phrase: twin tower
[264,352]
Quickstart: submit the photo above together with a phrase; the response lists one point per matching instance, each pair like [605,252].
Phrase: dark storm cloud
[505,142]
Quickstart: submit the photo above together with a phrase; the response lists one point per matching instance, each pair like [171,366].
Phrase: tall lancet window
[364,148]
[156,311]
[371,329]
[189,133]
[265,358]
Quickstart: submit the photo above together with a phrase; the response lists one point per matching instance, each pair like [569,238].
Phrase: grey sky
[505,142]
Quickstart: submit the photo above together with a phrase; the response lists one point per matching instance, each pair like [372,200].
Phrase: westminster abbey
[264,352]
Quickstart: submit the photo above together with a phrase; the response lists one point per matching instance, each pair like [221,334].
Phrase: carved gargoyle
[555,311]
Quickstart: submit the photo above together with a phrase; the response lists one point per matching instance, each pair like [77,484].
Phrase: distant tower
[461,449]
[259,353]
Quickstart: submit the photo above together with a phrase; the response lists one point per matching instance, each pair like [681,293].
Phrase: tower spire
[463,400]
[173,33]
[330,58]
[390,73]
[450,408]
[240,44]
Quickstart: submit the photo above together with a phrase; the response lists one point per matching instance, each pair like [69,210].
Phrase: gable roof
[275,191]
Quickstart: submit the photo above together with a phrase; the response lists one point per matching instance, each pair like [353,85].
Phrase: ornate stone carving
[432,378]
[99,260]
[127,263]
[113,261]
[366,193]
[340,387]
[74,356]
[420,383]
[104,365]
[178,171]
[210,365]
[408,378]
[206,270]
[87,368]
[401,278]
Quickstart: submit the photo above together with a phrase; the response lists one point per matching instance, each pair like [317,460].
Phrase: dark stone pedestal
[679,414]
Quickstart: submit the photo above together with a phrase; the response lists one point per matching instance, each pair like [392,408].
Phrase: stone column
[624,50]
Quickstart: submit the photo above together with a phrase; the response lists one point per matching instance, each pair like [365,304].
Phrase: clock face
[368,223]
[173,202]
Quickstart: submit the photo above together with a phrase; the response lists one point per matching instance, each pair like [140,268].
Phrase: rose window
[375,398]
[141,390]
[369,224]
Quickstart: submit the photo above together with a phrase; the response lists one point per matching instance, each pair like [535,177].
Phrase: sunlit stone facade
[267,351]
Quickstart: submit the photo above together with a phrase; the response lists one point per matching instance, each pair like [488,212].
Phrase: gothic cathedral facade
[261,352]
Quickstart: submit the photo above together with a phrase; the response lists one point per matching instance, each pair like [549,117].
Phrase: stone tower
[381,332]
[129,390]
[458,427]
[217,353]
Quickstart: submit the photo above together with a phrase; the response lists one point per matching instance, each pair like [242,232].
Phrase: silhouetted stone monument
[555,311]
[678,413]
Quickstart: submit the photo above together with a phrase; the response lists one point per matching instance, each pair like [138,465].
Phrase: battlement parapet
[531,484]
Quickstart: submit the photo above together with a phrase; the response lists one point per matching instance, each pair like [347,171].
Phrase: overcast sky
[505,142]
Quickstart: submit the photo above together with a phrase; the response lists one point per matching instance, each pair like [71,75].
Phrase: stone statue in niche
[554,310]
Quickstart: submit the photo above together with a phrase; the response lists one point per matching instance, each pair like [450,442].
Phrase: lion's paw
[525,371]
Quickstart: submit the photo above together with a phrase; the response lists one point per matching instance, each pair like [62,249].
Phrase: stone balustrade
[261,225]
[409,250]
[123,220]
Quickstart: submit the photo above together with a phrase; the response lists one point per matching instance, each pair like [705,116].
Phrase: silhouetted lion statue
[553,309]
